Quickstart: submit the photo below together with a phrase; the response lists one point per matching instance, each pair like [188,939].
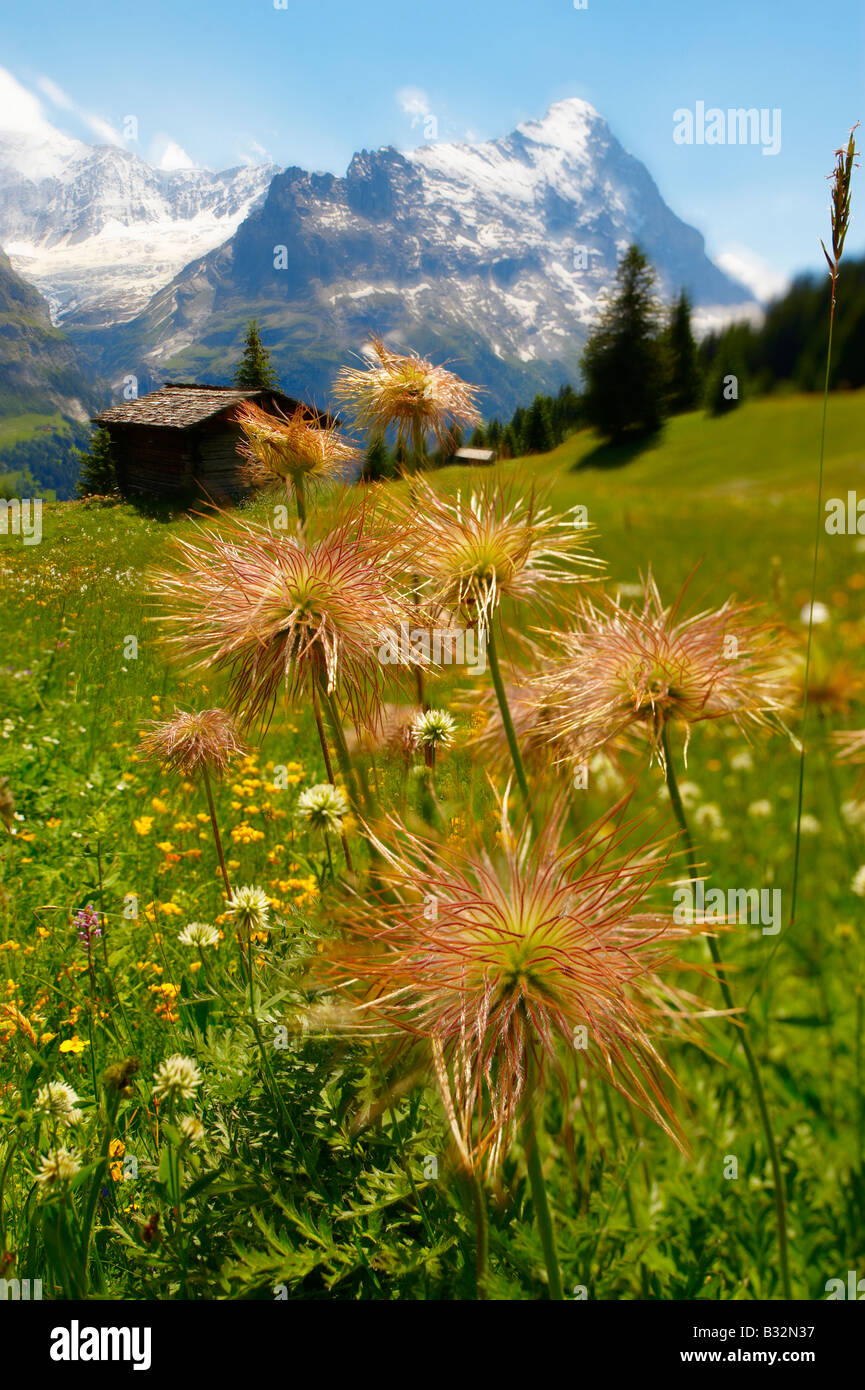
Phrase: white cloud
[414,102]
[764,280]
[104,132]
[253,155]
[20,110]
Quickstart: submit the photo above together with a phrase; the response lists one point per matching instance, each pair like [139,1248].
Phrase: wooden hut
[182,439]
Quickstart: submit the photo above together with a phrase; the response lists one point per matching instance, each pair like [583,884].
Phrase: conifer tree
[510,445]
[725,380]
[254,370]
[98,474]
[537,431]
[377,462]
[623,362]
[684,380]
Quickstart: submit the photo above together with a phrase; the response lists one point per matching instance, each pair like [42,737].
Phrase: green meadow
[325,1167]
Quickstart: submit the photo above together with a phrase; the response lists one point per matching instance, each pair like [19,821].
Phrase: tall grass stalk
[845,162]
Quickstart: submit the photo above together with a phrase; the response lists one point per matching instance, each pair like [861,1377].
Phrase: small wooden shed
[183,438]
[475,458]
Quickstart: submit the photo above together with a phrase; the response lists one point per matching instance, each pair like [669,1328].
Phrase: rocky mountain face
[494,256]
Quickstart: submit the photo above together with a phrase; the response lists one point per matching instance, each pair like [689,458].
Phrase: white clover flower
[809,825]
[760,809]
[434,728]
[323,807]
[818,613]
[198,934]
[742,761]
[191,1128]
[176,1078]
[853,812]
[708,818]
[58,1165]
[858,884]
[58,1100]
[249,908]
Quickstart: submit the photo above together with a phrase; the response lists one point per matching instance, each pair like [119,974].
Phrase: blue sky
[229,81]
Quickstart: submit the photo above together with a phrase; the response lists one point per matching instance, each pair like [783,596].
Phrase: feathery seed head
[189,742]
[472,553]
[625,668]
[408,393]
[850,744]
[280,612]
[502,960]
[297,446]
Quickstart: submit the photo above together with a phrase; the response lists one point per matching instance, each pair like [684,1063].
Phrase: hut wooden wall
[171,462]
[156,461]
[219,466]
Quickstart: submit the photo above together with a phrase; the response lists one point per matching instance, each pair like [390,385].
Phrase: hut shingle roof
[179,406]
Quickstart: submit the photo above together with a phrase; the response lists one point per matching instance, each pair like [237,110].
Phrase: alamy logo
[449,646]
[845,518]
[76,1343]
[17,1290]
[745,906]
[736,126]
[854,1288]
[21,517]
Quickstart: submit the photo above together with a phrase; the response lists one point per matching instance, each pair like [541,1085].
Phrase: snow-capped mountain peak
[97,229]
[567,126]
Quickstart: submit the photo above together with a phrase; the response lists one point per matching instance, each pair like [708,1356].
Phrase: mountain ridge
[494,255]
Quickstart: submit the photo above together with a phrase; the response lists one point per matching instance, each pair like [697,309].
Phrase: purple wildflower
[87,925]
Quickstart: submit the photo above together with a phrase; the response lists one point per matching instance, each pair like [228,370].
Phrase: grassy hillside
[82,672]
[46,394]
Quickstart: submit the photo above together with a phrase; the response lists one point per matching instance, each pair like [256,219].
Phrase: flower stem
[213,822]
[750,1056]
[299,497]
[508,723]
[482,1234]
[539,1198]
[322,738]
